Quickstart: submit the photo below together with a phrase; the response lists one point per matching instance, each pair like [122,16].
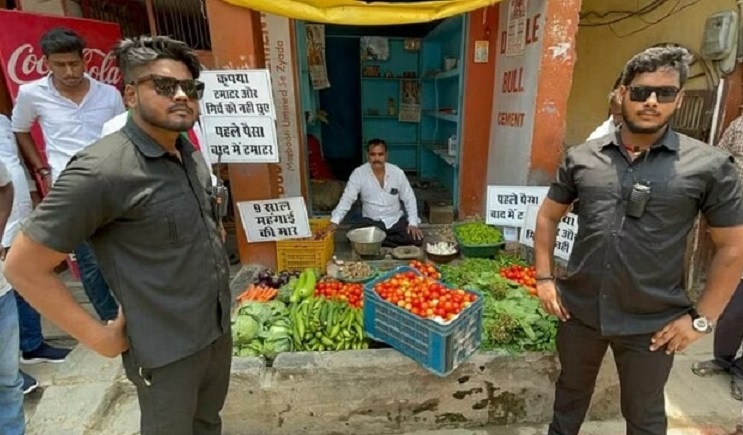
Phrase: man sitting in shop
[382,187]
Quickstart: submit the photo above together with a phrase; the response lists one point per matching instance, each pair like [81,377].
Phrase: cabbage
[244,329]
[261,329]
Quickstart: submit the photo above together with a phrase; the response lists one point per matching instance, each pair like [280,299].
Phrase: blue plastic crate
[438,348]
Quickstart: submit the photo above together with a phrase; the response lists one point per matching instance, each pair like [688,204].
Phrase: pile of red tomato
[425,297]
[522,275]
[351,293]
[427,269]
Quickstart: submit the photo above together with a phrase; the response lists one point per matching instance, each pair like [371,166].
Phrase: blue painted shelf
[451,117]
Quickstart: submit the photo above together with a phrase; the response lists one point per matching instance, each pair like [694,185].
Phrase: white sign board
[238,117]
[237,93]
[247,139]
[567,230]
[506,205]
[515,93]
[278,43]
[274,219]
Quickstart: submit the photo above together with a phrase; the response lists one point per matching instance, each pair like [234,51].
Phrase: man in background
[71,108]
[615,114]
[33,347]
[729,330]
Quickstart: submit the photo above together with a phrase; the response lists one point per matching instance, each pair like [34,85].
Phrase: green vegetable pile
[261,329]
[320,324]
[478,234]
[513,320]
[517,323]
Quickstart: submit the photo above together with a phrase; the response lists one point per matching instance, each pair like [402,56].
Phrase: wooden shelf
[388,79]
[444,75]
[451,117]
[442,152]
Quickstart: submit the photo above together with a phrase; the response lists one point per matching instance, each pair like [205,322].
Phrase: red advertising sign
[21,57]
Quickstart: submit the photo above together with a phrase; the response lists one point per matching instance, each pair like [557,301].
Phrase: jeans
[30,324]
[12,421]
[729,334]
[94,284]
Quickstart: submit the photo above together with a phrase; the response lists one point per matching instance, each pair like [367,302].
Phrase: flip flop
[707,368]
[736,388]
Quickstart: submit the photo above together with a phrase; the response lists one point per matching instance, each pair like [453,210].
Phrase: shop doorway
[402,84]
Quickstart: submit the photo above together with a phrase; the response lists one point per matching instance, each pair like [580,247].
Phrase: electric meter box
[720,35]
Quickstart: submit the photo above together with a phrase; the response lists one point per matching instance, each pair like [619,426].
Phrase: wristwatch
[699,322]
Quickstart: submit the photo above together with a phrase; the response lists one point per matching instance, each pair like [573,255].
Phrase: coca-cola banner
[21,57]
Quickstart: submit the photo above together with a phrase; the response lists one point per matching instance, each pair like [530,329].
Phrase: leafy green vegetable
[517,324]
[478,273]
[478,234]
[261,329]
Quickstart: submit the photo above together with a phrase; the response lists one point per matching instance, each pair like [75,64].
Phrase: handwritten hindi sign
[274,219]
[506,205]
[238,116]
[237,93]
[567,230]
[249,139]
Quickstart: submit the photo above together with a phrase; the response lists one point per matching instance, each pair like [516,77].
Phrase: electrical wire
[673,11]
[650,7]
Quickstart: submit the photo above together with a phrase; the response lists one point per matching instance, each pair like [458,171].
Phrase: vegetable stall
[484,297]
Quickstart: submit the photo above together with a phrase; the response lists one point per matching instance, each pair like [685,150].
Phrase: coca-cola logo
[26,65]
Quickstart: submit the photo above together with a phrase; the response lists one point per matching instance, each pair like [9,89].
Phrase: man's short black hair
[61,40]
[653,59]
[135,53]
[376,142]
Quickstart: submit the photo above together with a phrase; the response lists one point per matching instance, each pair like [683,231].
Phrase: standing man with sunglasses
[142,196]
[71,108]
[640,192]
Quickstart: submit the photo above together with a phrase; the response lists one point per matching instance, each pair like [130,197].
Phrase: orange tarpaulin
[355,12]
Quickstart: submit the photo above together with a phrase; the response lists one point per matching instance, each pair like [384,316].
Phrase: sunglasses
[168,86]
[663,94]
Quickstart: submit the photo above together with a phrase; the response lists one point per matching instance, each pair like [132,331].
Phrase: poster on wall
[316,56]
[507,205]
[567,230]
[514,100]
[278,43]
[274,219]
[516,39]
[410,101]
[374,48]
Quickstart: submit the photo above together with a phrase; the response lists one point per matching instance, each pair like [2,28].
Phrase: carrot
[246,294]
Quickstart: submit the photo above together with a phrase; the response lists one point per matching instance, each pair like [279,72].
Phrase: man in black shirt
[141,195]
[641,191]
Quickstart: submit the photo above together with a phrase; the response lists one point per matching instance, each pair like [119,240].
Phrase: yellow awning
[355,12]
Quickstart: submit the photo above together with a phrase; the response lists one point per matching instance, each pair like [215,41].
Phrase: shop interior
[402,84]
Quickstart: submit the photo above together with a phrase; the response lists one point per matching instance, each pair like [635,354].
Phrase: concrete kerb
[353,392]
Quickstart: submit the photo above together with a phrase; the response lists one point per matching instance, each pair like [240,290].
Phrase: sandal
[707,368]
[736,387]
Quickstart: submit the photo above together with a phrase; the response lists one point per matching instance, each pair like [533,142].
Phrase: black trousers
[184,397]
[397,235]
[642,379]
[729,334]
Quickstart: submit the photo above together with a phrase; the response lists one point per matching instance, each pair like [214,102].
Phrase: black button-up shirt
[625,274]
[151,224]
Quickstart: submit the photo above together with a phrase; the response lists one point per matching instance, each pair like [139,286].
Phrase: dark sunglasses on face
[663,94]
[168,86]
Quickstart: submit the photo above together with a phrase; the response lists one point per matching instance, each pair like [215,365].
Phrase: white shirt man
[382,187]
[21,196]
[67,127]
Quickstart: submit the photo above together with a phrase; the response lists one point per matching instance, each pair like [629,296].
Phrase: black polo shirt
[625,275]
[150,222]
